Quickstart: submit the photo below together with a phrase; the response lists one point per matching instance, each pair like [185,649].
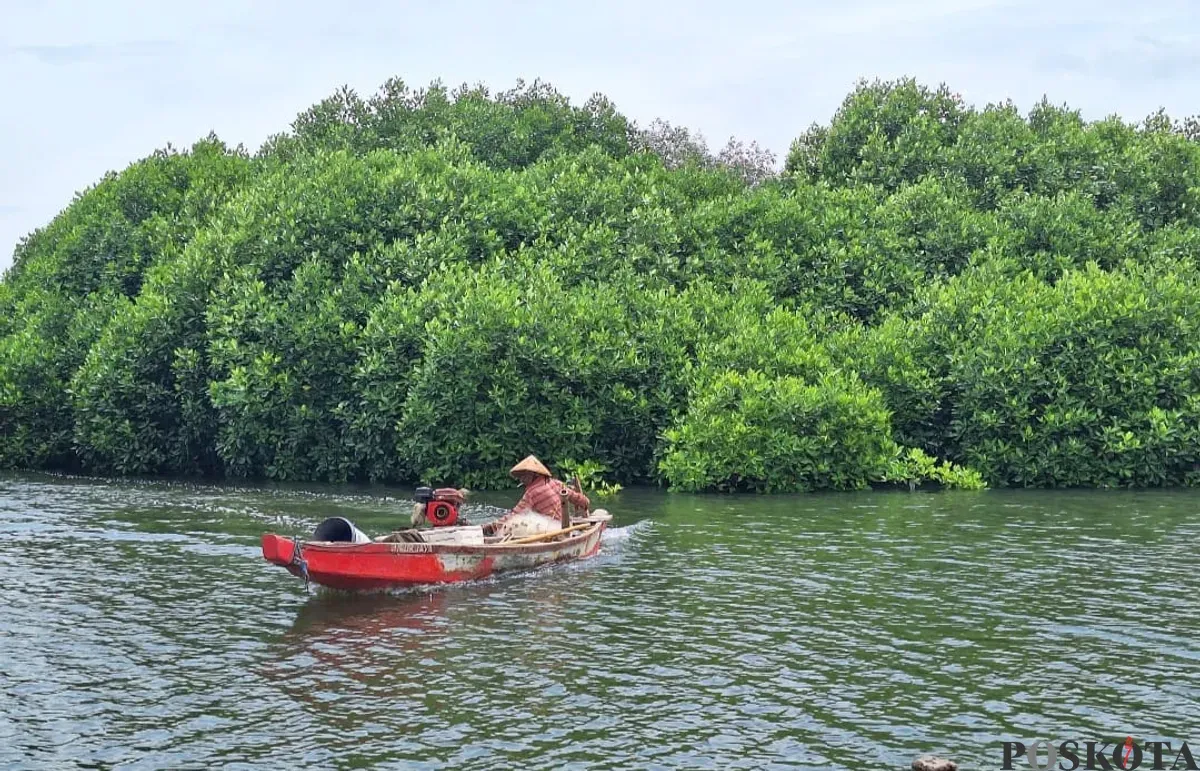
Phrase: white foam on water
[629,533]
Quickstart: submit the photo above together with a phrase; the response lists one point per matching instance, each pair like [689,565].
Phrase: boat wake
[619,536]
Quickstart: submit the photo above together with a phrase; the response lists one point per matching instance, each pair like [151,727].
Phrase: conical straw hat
[531,464]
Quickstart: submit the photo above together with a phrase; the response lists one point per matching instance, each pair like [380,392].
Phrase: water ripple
[141,629]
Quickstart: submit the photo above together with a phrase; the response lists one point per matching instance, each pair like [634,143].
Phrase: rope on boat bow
[299,561]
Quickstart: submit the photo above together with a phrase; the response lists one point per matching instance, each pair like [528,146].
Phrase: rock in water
[933,763]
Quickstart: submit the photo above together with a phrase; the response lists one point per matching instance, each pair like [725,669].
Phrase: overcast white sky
[91,86]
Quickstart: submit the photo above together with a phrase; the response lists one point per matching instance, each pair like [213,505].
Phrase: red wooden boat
[341,557]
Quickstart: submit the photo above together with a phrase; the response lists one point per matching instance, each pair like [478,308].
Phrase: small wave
[629,533]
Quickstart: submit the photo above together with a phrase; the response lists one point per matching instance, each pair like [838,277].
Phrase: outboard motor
[439,507]
[339,529]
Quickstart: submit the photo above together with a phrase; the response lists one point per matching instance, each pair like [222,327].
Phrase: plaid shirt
[543,497]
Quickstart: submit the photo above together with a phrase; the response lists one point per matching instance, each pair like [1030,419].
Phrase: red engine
[441,505]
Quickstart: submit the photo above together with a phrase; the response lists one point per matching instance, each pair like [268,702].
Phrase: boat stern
[277,550]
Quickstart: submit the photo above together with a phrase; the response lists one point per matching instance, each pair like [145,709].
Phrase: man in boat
[540,508]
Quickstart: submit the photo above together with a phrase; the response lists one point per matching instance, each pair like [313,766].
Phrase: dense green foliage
[1093,380]
[428,285]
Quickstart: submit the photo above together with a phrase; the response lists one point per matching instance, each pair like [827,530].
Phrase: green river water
[140,628]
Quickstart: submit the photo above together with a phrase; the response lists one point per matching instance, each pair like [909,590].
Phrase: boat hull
[383,565]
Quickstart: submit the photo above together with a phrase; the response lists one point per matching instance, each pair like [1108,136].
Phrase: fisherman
[540,508]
